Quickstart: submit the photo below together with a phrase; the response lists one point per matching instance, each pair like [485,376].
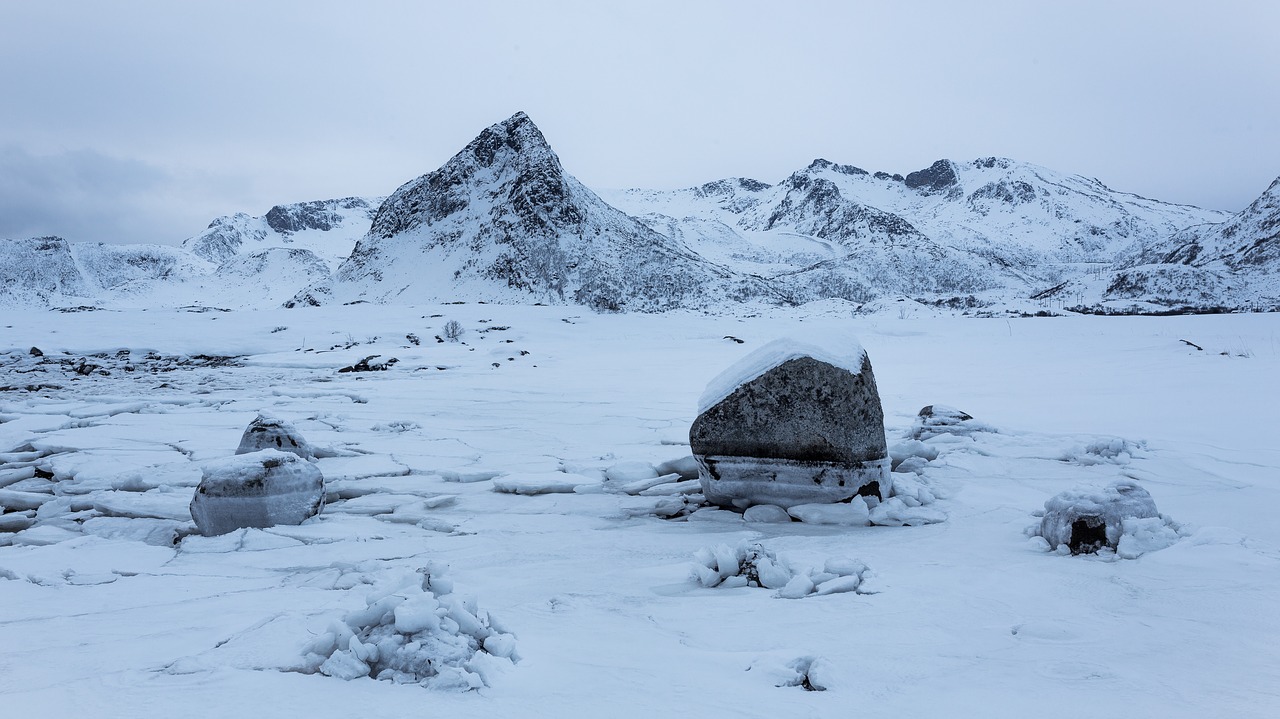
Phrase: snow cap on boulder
[259,489]
[796,421]
[269,432]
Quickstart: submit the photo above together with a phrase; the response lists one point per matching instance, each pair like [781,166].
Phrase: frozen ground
[102,615]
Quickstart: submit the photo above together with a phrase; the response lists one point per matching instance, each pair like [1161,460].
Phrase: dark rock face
[805,431]
[317,215]
[266,432]
[260,489]
[939,176]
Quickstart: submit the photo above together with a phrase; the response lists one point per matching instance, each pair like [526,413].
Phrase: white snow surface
[104,615]
[840,349]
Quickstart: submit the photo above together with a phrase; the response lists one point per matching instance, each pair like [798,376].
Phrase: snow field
[967,616]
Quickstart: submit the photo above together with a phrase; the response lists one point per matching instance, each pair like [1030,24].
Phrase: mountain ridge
[503,221]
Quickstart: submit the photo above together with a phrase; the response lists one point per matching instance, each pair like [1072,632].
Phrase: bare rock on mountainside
[792,423]
[259,489]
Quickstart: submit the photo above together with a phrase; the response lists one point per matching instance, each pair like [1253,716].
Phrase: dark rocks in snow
[260,489]
[267,432]
[939,176]
[35,352]
[800,431]
[368,365]
[1088,519]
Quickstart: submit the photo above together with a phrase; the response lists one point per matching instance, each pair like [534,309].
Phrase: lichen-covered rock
[267,432]
[1087,519]
[792,423]
[259,489]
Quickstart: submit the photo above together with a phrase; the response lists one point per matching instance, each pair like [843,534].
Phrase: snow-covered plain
[101,615]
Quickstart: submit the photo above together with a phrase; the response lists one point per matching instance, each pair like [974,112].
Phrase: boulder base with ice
[794,422]
[1087,519]
[259,489]
[267,432]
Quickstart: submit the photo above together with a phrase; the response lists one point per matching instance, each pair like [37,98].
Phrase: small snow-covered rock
[268,432]
[937,419]
[260,489]
[1087,519]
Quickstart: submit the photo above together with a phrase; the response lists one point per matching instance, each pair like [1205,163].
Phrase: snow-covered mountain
[1231,264]
[328,228]
[503,221]
[992,222]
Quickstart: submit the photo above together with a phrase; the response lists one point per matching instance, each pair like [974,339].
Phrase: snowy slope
[502,221]
[39,271]
[1234,264]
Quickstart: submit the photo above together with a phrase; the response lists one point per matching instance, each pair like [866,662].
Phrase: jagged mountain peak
[512,157]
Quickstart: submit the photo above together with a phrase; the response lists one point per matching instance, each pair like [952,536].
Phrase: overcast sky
[142,121]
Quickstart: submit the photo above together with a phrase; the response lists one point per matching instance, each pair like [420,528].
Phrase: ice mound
[1087,519]
[414,629]
[260,489]
[268,432]
[749,564]
[1113,450]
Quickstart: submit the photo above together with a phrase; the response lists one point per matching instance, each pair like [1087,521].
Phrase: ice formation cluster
[749,564]
[414,629]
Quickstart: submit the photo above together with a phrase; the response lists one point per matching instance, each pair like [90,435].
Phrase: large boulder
[268,432]
[794,422]
[1087,519]
[259,489]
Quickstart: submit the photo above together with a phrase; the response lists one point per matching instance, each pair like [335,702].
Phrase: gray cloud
[241,105]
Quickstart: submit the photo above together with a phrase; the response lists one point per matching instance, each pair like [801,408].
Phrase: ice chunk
[897,512]
[625,472]
[538,483]
[853,513]
[766,513]
[1149,534]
